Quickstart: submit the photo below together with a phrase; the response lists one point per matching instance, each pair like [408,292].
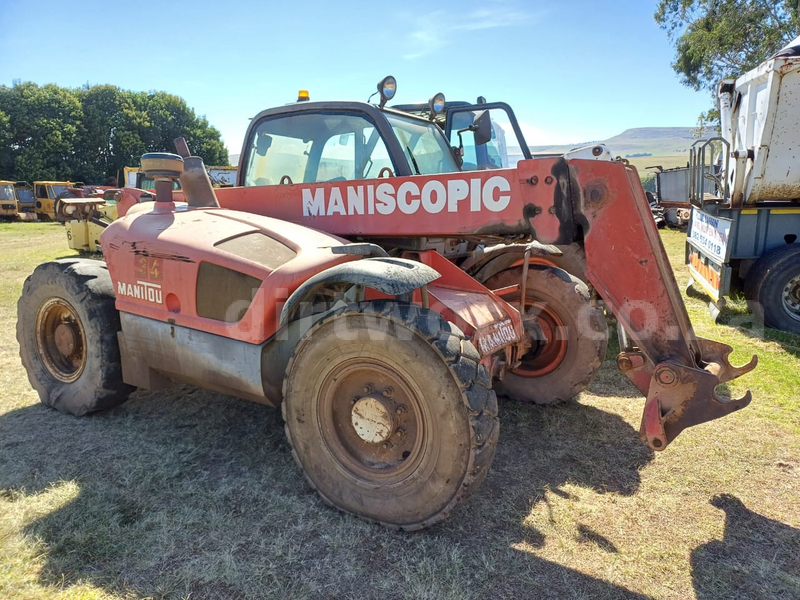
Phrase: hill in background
[641,141]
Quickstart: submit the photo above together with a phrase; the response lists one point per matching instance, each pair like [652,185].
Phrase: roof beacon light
[302,96]
[436,105]
[387,89]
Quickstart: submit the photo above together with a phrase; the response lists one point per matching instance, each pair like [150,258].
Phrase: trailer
[745,222]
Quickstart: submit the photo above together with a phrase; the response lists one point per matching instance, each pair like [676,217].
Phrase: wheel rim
[549,348]
[60,340]
[545,328]
[372,421]
[791,297]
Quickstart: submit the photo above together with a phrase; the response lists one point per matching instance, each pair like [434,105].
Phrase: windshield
[24,195]
[6,192]
[59,189]
[424,145]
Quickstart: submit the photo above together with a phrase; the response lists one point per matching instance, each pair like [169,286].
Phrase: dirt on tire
[438,375]
[83,288]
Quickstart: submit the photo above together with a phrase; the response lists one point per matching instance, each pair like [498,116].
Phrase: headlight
[387,89]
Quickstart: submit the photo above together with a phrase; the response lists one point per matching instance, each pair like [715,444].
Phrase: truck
[345,281]
[745,221]
[8,201]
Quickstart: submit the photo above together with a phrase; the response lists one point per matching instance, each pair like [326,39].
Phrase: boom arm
[555,201]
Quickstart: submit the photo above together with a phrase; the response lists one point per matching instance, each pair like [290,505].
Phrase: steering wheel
[386,170]
[285,180]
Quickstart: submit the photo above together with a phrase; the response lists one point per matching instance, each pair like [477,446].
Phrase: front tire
[67,328]
[389,414]
[572,336]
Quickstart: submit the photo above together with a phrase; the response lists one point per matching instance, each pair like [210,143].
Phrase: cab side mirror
[482,128]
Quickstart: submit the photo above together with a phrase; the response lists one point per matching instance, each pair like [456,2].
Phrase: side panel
[154,260]
[211,361]
[756,231]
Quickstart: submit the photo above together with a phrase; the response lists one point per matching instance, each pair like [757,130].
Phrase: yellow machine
[8,200]
[46,193]
[220,177]
[88,217]
[26,203]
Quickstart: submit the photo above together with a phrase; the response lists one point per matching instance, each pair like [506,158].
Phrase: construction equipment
[672,195]
[46,194]
[8,200]
[220,177]
[26,203]
[381,356]
[86,216]
[745,192]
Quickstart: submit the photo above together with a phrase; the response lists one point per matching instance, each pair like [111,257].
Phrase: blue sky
[574,70]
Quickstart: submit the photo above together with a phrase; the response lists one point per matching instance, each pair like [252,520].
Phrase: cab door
[507,146]
[44,199]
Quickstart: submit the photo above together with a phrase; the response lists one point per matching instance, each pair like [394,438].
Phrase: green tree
[91,133]
[43,123]
[716,39]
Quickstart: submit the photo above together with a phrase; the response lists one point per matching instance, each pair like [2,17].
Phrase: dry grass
[669,161]
[187,493]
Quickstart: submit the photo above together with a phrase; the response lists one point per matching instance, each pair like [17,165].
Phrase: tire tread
[473,380]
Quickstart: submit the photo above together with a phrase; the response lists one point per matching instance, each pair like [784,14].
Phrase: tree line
[91,133]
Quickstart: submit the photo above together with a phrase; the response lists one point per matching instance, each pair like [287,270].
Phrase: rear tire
[576,336]
[67,328]
[389,414]
[772,288]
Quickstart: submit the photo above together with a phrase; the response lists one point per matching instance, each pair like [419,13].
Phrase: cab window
[338,159]
[6,192]
[492,155]
[313,148]
[424,145]
[41,191]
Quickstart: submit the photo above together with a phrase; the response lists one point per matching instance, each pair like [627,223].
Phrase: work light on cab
[302,96]
[436,105]
[387,87]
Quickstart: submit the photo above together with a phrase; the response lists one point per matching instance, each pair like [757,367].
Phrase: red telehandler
[346,304]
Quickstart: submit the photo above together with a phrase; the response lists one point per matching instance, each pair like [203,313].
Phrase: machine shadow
[756,558]
[189,492]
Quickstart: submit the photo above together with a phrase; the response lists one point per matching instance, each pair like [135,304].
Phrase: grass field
[668,162]
[189,494]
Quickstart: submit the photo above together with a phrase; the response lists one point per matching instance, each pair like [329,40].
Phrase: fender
[489,261]
[392,276]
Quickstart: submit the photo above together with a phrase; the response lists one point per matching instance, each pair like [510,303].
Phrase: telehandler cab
[381,355]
